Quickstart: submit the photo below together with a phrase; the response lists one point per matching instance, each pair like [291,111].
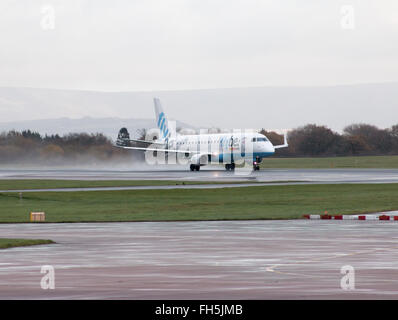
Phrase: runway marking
[273,267]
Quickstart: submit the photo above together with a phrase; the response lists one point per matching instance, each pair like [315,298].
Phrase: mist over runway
[296,259]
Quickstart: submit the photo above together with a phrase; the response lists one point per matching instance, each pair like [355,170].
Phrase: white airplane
[204,149]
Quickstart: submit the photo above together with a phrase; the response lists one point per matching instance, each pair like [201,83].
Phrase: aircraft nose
[270,148]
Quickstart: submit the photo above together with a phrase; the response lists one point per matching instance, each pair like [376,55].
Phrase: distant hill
[268,107]
[107,126]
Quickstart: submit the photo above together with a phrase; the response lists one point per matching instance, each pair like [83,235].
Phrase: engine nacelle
[123,138]
[200,159]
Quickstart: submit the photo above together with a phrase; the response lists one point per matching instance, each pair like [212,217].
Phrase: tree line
[74,148]
[91,149]
[355,140]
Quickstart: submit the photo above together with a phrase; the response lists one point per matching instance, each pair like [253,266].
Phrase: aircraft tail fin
[162,121]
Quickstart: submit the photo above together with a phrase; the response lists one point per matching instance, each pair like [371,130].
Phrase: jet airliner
[203,149]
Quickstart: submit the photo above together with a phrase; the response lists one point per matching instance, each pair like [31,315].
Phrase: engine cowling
[123,138]
[200,159]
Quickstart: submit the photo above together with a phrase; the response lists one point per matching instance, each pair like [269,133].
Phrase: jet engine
[200,159]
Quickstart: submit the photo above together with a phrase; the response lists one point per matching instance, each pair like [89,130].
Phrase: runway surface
[192,186]
[251,178]
[297,259]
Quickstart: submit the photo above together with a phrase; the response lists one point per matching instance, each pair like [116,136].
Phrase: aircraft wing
[148,142]
[159,150]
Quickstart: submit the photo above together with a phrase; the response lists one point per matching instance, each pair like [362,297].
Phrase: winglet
[285,144]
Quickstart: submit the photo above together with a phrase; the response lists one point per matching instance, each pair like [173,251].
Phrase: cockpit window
[259,139]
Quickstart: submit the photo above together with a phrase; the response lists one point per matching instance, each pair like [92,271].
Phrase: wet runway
[192,186]
[297,259]
[212,174]
[270,177]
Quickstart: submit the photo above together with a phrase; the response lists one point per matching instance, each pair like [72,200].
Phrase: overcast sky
[127,45]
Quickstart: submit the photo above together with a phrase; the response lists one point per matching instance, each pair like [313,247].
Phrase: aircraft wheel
[230,166]
[192,167]
[197,167]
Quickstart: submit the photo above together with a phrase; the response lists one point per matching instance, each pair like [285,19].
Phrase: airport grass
[375,162]
[262,202]
[31,184]
[11,243]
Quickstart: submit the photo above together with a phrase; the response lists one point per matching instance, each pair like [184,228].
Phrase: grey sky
[191,44]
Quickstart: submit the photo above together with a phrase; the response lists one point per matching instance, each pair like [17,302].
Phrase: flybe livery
[203,149]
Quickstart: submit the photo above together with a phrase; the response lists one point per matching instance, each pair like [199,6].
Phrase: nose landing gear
[256,165]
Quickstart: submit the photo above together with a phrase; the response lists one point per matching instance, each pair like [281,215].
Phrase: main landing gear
[194,167]
[230,166]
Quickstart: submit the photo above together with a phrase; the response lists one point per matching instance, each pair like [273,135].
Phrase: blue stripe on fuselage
[255,155]
[262,154]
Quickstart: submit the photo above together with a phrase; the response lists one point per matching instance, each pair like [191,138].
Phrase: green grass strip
[375,162]
[262,202]
[11,243]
